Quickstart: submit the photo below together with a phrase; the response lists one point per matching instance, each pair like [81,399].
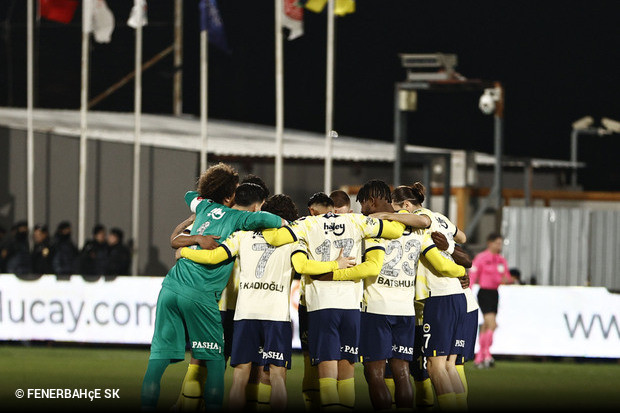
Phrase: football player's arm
[253,221]
[411,220]
[459,236]
[369,268]
[444,266]
[280,236]
[303,265]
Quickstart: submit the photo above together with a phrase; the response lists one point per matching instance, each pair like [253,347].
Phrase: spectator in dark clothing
[16,251]
[2,241]
[64,251]
[119,257]
[94,255]
[41,251]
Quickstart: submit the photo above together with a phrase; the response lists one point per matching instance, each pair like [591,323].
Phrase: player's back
[325,235]
[429,280]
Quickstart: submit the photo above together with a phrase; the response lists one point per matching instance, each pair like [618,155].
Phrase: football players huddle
[387,287]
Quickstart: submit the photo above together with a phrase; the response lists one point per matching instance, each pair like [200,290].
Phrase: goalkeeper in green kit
[187,306]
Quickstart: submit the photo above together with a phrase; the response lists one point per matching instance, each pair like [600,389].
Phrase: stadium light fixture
[611,125]
[489,99]
[584,126]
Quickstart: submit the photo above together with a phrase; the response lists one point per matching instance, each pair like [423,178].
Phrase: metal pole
[135,220]
[398,137]
[86,27]
[499,151]
[573,156]
[30,99]
[528,177]
[329,98]
[447,184]
[204,44]
[178,58]
[279,98]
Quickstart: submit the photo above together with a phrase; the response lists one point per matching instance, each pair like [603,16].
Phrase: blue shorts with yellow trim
[417,366]
[333,334]
[470,329]
[383,337]
[443,325]
[262,342]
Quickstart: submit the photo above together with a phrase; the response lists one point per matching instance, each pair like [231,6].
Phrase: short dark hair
[340,198]
[98,228]
[254,179]
[320,198]
[282,206]
[218,182]
[493,236]
[374,188]
[19,224]
[41,227]
[119,234]
[63,225]
[248,194]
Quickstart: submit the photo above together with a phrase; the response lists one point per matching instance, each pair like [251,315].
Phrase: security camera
[488,100]
[611,125]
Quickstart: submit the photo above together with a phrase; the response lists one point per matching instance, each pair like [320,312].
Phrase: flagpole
[135,220]
[329,92]
[279,98]
[204,44]
[86,25]
[30,99]
[178,58]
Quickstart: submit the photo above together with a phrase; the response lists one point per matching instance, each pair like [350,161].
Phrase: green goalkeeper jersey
[204,283]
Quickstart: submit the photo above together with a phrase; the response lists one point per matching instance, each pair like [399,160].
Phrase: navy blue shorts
[442,330]
[470,329]
[417,366]
[333,334]
[303,326]
[383,337]
[227,321]
[262,342]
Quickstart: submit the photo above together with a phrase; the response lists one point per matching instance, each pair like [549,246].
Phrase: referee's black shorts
[487,300]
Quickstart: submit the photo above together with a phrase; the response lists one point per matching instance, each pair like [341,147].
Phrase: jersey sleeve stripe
[292,233]
[430,247]
[455,232]
[227,250]
[299,252]
[380,228]
[376,247]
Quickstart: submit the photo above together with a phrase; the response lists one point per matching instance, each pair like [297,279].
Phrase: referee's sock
[330,400]
[346,393]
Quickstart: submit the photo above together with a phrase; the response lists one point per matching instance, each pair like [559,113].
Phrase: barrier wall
[532,320]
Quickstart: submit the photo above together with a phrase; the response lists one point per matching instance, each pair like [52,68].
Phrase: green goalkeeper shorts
[180,321]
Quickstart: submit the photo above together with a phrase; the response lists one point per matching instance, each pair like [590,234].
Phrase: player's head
[408,197]
[40,233]
[253,179]
[342,202]
[282,206]
[320,204]
[249,197]
[495,241]
[63,229]
[99,233]
[374,196]
[115,237]
[218,183]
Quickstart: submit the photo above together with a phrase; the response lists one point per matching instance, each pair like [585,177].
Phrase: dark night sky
[557,61]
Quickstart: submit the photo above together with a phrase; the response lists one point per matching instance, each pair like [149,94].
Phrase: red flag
[58,10]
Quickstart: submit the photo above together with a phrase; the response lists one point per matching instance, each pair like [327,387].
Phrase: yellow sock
[264,397]
[310,386]
[447,402]
[424,395]
[389,382]
[346,393]
[461,369]
[461,401]
[330,400]
[190,398]
[251,396]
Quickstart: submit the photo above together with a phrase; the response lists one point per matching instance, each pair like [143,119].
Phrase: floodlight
[611,125]
[583,123]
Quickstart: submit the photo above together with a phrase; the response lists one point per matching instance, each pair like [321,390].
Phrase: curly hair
[374,188]
[282,206]
[218,182]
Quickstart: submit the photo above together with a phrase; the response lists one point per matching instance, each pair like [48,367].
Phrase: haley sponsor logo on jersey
[337,229]
[216,213]
[206,345]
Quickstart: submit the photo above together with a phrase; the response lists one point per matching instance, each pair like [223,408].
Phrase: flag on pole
[342,8]
[211,21]
[103,22]
[293,19]
[61,11]
[137,16]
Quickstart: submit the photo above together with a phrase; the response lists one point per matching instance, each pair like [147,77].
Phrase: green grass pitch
[510,385]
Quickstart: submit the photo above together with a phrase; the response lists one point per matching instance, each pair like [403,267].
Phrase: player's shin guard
[251,397]
[310,386]
[214,385]
[424,395]
[461,369]
[190,398]
[264,397]
[151,383]
[346,393]
[330,400]
[389,382]
[447,402]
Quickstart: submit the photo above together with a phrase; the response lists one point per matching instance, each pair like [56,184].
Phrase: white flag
[103,22]
[137,17]
[293,19]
